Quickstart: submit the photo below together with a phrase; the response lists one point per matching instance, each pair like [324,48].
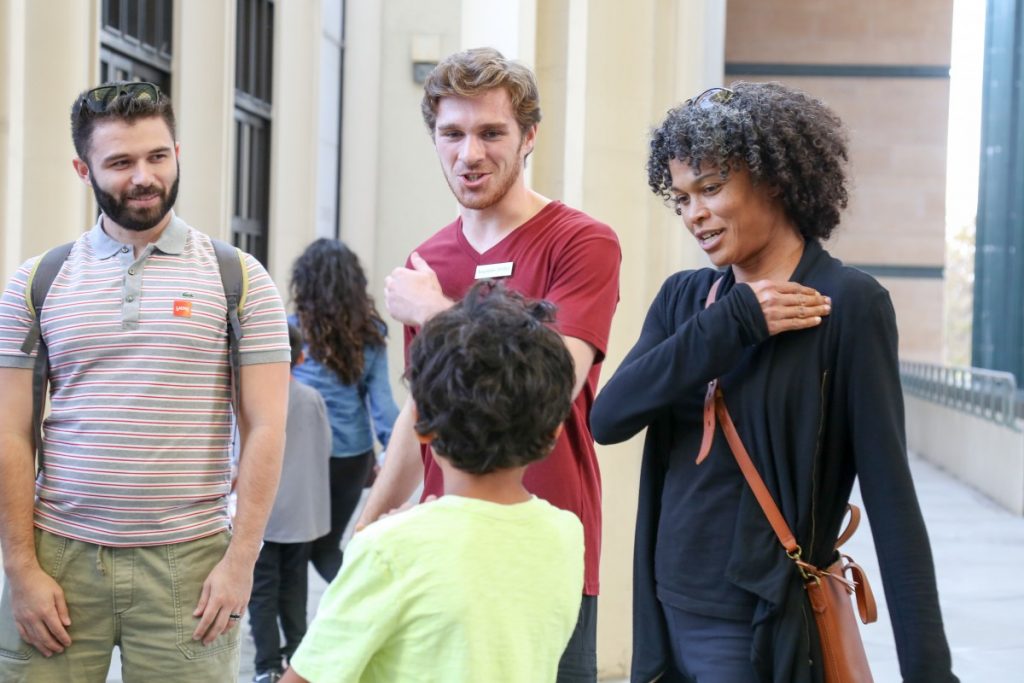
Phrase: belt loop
[99,560]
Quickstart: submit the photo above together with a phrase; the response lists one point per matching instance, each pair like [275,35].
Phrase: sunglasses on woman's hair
[98,100]
[710,97]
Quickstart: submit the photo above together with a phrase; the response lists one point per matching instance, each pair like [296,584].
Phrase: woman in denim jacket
[346,361]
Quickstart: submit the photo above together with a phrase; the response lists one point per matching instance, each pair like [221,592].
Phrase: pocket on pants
[11,644]
[189,565]
[50,551]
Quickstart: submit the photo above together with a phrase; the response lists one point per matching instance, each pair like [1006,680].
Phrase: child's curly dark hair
[784,138]
[491,381]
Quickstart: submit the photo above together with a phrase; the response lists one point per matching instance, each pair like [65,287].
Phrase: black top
[814,408]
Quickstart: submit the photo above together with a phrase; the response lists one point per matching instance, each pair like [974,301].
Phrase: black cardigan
[815,408]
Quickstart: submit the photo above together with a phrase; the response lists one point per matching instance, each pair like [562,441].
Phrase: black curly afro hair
[784,138]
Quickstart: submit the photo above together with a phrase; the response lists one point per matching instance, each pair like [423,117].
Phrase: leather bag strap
[714,405]
[750,473]
[865,596]
[851,526]
[709,398]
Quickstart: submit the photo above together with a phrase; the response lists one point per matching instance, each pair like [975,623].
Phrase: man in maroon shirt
[482,112]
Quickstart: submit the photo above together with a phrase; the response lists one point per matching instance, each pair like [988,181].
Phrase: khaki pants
[139,599]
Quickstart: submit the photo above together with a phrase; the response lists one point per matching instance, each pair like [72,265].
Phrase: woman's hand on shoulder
[789,305]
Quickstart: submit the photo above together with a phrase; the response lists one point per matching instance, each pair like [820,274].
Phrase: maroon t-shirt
[566,257]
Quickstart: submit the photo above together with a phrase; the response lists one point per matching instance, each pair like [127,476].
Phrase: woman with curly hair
[346,361]
[805,356]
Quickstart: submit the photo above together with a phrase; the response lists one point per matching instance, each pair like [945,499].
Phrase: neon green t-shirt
[454,590]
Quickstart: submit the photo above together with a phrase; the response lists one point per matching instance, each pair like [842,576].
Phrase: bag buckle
[808,571]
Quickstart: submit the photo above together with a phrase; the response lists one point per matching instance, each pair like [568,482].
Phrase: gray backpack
[233,276]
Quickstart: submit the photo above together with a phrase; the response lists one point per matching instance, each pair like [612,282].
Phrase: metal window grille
[253,86]
[135,41]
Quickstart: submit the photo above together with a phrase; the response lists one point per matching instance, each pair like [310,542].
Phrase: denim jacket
[350,407]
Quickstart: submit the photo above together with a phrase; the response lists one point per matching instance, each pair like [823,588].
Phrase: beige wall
[49,54]
[898,130]
[294,143]
[839,31]
[12,122]
[203,93]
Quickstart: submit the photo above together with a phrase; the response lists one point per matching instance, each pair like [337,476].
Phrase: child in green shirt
[484,583]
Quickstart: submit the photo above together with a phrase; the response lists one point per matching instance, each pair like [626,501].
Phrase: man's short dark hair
[491,381]
[121,108]
[295,341]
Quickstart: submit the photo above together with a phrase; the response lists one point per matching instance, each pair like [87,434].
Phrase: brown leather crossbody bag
[829,590]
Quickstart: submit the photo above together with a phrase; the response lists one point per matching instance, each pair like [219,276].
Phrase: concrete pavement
[979,551]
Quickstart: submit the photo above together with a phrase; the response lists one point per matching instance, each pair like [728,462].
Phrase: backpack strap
[234,276]
[40,278]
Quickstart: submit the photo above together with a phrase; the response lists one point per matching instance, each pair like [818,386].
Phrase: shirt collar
[171,240]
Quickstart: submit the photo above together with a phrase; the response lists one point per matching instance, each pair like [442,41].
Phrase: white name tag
[494,270]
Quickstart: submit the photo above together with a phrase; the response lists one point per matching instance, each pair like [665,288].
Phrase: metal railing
[989,394]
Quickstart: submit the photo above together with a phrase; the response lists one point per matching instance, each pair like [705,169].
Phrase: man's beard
[138,220]
[505,182]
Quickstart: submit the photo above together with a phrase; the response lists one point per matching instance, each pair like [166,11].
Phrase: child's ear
[424,439]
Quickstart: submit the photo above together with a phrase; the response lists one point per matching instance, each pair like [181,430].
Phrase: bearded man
[123,537]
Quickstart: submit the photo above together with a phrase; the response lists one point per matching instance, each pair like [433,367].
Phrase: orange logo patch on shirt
[182,309]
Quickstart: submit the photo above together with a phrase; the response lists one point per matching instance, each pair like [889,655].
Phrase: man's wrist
[18,564]
[242,552]
[441,304]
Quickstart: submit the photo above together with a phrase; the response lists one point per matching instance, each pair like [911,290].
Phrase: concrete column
[203,90]
[509,27]
[12,133]
[558,159]
[61,58]
[293,145]
[361,117]
[328,178]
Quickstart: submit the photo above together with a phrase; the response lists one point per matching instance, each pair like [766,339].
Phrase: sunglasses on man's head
[98,100]
[710,97]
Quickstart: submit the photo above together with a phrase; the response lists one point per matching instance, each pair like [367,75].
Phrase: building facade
[300,118]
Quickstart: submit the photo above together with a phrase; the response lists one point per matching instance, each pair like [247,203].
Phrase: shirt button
[124,250]
[131,271]
[129,299]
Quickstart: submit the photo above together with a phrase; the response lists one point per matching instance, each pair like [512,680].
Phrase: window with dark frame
[253,69]
[135,41]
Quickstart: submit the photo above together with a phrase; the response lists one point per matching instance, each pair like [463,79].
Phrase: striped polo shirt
[136,444]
